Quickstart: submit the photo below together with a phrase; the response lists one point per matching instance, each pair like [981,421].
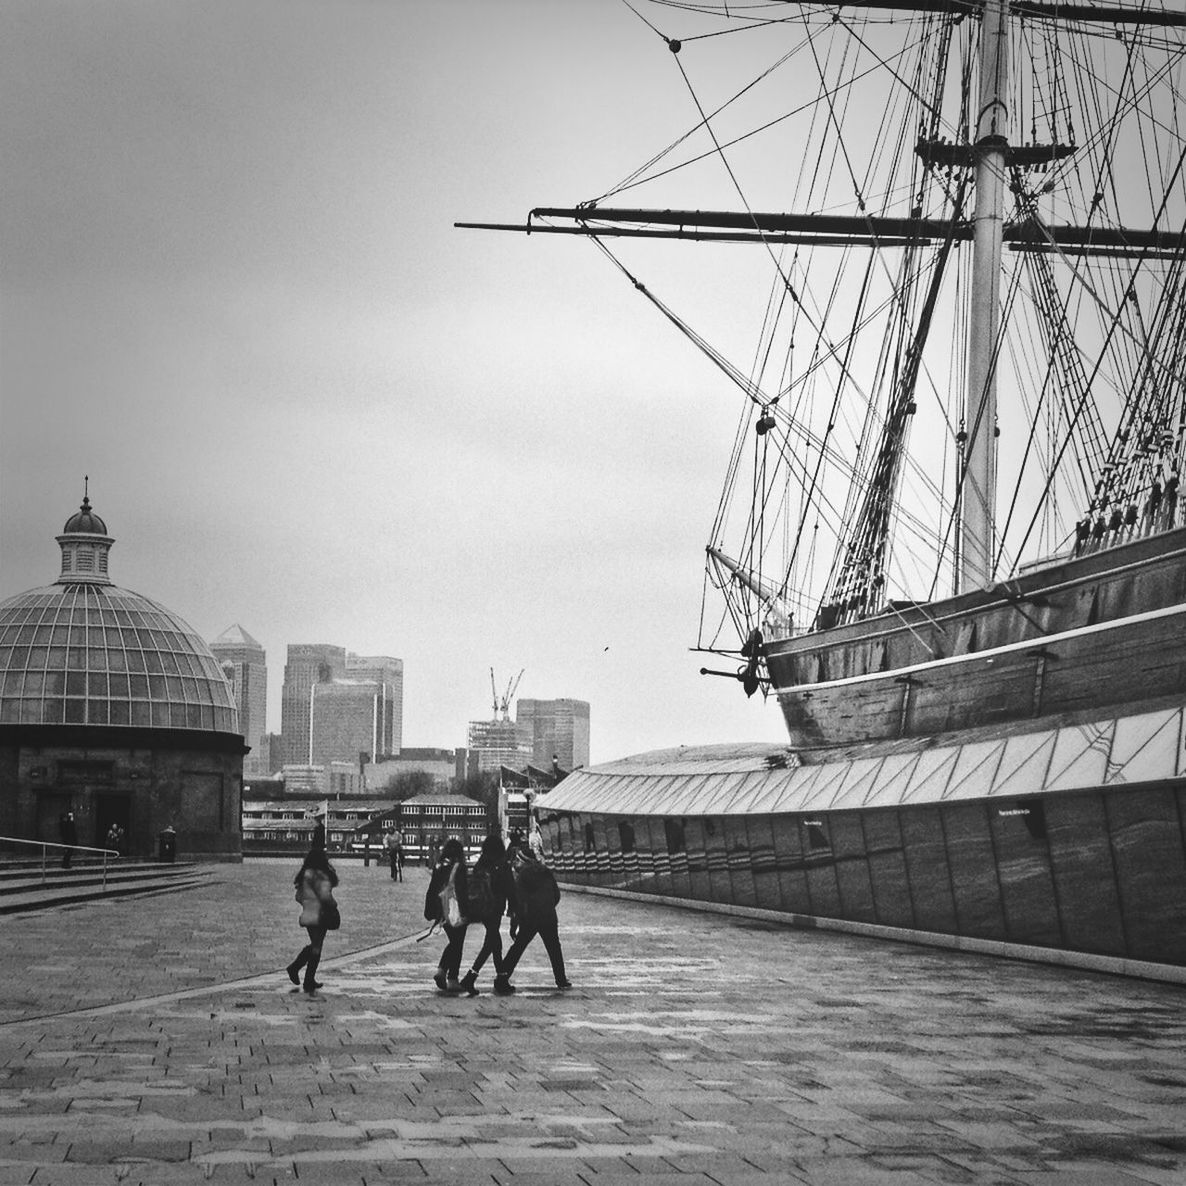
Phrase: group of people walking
[503,882]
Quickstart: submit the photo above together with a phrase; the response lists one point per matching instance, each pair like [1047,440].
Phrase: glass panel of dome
[207,717]
[30,712]
[139,686]
[61,635]
[120,712]
[152,662]
[190,688]
[75,712]
[97,712]
[34,683]
[135,661]
[5,653]
[169,662]
[173,683]
[160,716]
[117,660]
[52,711]
[9,711]
[119,685]
[156,687]
[75,683]
[19,657]
[38,656]
[42,635]
[140,713]
[96,684]
[193,716]
[77,636]
[96,659]
[55,683]
[26,634]
[113,637]
[177,716]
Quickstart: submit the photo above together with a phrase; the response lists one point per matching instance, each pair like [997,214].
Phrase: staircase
[26,885]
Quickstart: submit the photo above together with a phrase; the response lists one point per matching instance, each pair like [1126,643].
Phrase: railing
[45,845]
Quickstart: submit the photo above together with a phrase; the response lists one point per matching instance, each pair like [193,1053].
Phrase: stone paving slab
[158,1042]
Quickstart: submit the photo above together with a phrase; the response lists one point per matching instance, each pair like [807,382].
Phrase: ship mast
[979,478]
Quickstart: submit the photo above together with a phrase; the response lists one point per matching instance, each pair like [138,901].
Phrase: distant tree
[483,787]
[411,782]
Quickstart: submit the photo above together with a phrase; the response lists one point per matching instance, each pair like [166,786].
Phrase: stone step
[29,892]
[20,869]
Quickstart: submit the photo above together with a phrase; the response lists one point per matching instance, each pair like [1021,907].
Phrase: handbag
[331,917]
[450,906]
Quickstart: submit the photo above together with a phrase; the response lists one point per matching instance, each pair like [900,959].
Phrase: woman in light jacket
[315,881]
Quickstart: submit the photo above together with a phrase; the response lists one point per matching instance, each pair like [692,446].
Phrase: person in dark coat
[318,842]
[68,831]
[535,901]
[450,871]
[492,865]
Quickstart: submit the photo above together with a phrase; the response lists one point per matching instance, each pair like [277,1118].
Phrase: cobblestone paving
[156,1041]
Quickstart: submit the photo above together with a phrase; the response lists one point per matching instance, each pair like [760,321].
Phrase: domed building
[114,708]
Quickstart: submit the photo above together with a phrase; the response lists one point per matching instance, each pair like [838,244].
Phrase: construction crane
[503,706]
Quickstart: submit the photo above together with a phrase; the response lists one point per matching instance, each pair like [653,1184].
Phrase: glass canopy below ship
[1066,838]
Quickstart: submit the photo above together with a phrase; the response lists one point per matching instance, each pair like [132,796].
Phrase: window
[817,835]
[674,834]
[626,835]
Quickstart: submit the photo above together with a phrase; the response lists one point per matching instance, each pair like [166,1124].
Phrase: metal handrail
[44,845]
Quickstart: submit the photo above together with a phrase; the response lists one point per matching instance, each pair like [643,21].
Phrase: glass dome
[85,652]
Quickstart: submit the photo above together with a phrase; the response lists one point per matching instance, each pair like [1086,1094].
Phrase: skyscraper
[244,663]
[308,664]
[346,720]
[389,674]
[558,729]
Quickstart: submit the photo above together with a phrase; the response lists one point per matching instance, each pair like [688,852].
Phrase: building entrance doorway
[113,810]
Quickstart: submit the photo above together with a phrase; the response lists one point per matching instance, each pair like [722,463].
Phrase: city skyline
[235,298]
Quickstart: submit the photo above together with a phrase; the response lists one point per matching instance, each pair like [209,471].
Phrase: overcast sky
[233,295]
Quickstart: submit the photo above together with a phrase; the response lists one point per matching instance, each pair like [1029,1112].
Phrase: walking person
[391,847]
[490,887]
[68,831]
[447,902]
[315,883]
[536,897]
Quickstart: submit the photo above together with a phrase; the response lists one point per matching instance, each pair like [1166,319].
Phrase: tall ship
[951,540]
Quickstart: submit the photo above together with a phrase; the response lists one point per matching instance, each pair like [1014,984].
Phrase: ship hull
[1069,839]
[1102,630]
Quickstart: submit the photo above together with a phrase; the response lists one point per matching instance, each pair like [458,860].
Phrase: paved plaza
[156,1040]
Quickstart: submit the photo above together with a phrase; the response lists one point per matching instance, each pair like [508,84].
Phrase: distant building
[308,664]
[244,663]
[559,730]
[274,744]
[498,743]
[344,720]
[388,673]
[336,705]
[287,825]
[439,764]
[426,821]
[518,792]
